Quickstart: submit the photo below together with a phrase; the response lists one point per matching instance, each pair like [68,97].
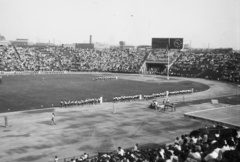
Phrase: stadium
[157,81]
[101,106]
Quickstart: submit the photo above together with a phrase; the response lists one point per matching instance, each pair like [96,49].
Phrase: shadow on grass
[38,111]
[30,158]
[6,130]
[18,150]
[15,136]
[46,122]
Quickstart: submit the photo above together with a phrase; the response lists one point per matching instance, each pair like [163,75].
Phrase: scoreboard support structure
[167,43]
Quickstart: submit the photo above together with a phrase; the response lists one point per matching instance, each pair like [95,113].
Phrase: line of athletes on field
[69,103]
[105,78]
[126,98]
[171,93]
[152,96]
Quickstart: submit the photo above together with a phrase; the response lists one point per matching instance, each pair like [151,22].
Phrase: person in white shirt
[194,139]
[177,140]
[56,159]
[162,153]
[85,156]
[224,147]
[136,148]
[177,146]
[195,154]
[167,102]
[213,155]
[120,152]
[53,119]
[73,159]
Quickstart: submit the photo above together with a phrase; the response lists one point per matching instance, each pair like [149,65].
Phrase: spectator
[162,153]
[212,156]
[56,159]
[195,154]
[120,152]
[135,148]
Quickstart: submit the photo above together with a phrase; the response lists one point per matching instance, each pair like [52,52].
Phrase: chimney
[90,39]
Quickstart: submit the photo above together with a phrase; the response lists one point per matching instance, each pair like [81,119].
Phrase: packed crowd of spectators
[213,144]
[218,66]
[61,59]
[163,56]
[112,60]
[204,64]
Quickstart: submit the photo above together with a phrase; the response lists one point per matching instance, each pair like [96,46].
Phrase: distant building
[69,46]
[114,47]
[99,46]
[186,46]
[123,47]
[84,46]
[41,44]
[89,45]
[143,47]
[20,42]
[2,38]
[122,43]
[222,50]
[4,43]
[30,43]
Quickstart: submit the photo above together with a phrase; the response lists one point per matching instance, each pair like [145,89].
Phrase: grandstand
[218,66]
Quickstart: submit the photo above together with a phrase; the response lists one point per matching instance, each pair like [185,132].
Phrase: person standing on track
[53,119]
[163,101]
[167,101]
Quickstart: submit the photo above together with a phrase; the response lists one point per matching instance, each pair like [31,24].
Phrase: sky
[203,23]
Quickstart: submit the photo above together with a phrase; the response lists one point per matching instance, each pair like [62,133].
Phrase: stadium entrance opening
[155,67]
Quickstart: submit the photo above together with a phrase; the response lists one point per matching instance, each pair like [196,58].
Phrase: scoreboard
[170,43]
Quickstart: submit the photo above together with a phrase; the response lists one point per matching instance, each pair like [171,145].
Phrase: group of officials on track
[164,106]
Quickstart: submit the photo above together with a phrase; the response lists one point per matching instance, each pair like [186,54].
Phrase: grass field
[25,92]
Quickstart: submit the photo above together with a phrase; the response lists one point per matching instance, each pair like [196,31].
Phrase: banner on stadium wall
[163,43]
